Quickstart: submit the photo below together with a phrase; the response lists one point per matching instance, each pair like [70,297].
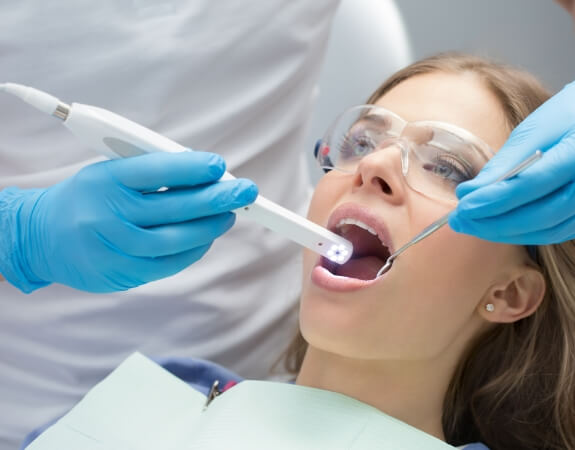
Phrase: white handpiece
[117,137]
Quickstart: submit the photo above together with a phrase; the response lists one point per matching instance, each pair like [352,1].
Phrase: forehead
[459,99]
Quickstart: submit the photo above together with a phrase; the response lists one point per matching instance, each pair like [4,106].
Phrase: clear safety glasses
[435,156]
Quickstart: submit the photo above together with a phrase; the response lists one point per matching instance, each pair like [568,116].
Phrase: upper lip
[364,215]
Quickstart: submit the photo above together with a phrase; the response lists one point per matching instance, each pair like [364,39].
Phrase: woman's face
[432,298]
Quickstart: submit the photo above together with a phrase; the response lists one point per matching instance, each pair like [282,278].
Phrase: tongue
[363,268]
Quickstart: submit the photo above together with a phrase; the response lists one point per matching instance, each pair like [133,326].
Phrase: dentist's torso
[233,77]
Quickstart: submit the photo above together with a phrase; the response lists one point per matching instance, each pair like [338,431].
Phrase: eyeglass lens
[437,159]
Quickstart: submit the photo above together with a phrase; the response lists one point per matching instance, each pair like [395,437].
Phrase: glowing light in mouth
[338,253]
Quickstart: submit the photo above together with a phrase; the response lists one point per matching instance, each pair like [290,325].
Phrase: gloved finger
[542,129]
[140,270]
[555,169]
[183,205]
[488,230]
[543,213]
[148,173]
[152,269]
[167,239]
[554,235]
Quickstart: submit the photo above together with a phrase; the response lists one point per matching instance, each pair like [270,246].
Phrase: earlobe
[518,298]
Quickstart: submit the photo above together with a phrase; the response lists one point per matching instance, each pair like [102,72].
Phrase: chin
[333,329]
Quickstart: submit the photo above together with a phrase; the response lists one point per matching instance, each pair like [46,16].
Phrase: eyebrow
[372,118]
[465,135]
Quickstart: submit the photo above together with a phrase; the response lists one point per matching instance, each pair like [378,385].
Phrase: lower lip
[323,278]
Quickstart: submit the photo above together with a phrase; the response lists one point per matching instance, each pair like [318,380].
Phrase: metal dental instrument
[443,220]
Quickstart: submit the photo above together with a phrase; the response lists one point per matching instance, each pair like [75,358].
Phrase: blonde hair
[514,387]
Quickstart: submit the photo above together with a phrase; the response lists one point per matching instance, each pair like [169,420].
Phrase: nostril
[383,185]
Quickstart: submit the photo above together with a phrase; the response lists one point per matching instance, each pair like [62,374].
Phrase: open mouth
[370,250]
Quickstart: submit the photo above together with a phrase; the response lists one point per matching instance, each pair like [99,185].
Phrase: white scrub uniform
[236,77]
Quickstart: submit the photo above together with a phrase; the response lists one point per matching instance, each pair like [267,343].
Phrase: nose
[380,173]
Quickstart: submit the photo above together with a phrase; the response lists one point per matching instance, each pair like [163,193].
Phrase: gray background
[534,34]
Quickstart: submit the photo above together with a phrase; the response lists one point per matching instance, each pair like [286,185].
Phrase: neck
[411,391]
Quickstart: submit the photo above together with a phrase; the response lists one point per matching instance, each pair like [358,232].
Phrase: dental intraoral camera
[116,137]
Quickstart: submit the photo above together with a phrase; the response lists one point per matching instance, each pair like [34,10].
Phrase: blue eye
[356,145]
[449,168]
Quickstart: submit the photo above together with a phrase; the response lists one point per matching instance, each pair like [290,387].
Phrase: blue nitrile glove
[538,205]
[106,229]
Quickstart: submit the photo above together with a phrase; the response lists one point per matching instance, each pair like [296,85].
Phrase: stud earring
[490,307]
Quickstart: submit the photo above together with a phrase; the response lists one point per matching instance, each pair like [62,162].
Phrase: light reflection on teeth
[356,222]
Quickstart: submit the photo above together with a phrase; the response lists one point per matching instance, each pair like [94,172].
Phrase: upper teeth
[358,223]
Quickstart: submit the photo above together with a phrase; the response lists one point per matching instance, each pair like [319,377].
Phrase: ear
[518,297]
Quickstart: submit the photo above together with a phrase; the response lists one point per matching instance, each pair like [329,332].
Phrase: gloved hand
[538,205]
[107,229]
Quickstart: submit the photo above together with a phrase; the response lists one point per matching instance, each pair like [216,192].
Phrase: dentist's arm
[107,229]
[538,205]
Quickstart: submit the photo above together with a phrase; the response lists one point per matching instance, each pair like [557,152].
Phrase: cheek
[446,262]
[456,270]
[438,288]
[324,197]
[436,293]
